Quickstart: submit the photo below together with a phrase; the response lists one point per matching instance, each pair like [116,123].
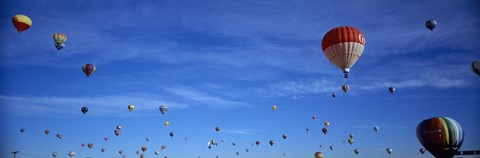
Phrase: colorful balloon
[46,132]
[118,127]
[106,138]
[84,110]
[350,141]
[257,142]
[83,145]
[144,149]
[476,67]
[318,155]
[327,123]
[131,107]
[343,46]
[431,24]
[441,136]
[422,150]
[389,150]
[391,90]
[274,107]
[21,22]
[166,123]
[345,88]
[59,39]
[324,130]
[117,132]
[217,129]
[89,69]
[90,145]
[350,136]
[357,151]
[71,154]
[163,109]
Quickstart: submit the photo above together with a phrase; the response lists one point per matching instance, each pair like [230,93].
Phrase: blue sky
[225,63]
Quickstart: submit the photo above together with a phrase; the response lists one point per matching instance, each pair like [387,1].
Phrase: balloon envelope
[441,136]
[431,24]
[476,67]
[89,69]
[343,46]
[21,22]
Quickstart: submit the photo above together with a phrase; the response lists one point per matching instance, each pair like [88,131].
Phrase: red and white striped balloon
[343,46]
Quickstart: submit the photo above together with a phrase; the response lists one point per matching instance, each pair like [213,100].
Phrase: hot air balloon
[247,150]
[284,154]
[271,142]
[71,154]
[389,150]
[324,130]
[84,110]
[334,95]
[163,147]
[441,136]
[274,107]
[55,154]
[431,24]
[118,127]
[376,128]
[90,145]
[46,131]
[284,136]
[320,146]
[131,107]
[147,139]
[350,141]
[59,136]
[117,132]
[476,67]
[350,136]
[163,109]
[345,88]
[59,39]
[144,149]
[422,150]
[391,90]
[171,134]
[157,152]
[83,145]
[166,123]
[167,157]
[237,153]
[318,155]
[331,147]
[233,144]
[327,123]
[137,152]
[106,138]
[21,22]
[217,129]
[89,69]
[356,151]
[102,150]
[257,142]
[22,130]
[314,117]
[120,152]
[306,129]
[343,46]
[142,155]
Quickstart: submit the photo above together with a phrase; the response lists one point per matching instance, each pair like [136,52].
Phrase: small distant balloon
[345,88]
[391,90]
[476,67]
[389,150]
[376,128]
[131,107]
[84,110]
[356,151]
[284,136]
[46,132]
[324,130]
[89,69]
[55,154]
[318,155]
[22,130]
[163,109]
[334,95]
[71,154]
[271,142]
[431,24]
[274,107]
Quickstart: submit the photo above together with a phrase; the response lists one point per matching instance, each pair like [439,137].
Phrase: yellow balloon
[130,108]
[318,155]
[166,123]
[274,107]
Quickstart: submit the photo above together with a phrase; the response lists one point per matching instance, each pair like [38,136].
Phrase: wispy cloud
[98,106]
[201,98]
[238,131]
